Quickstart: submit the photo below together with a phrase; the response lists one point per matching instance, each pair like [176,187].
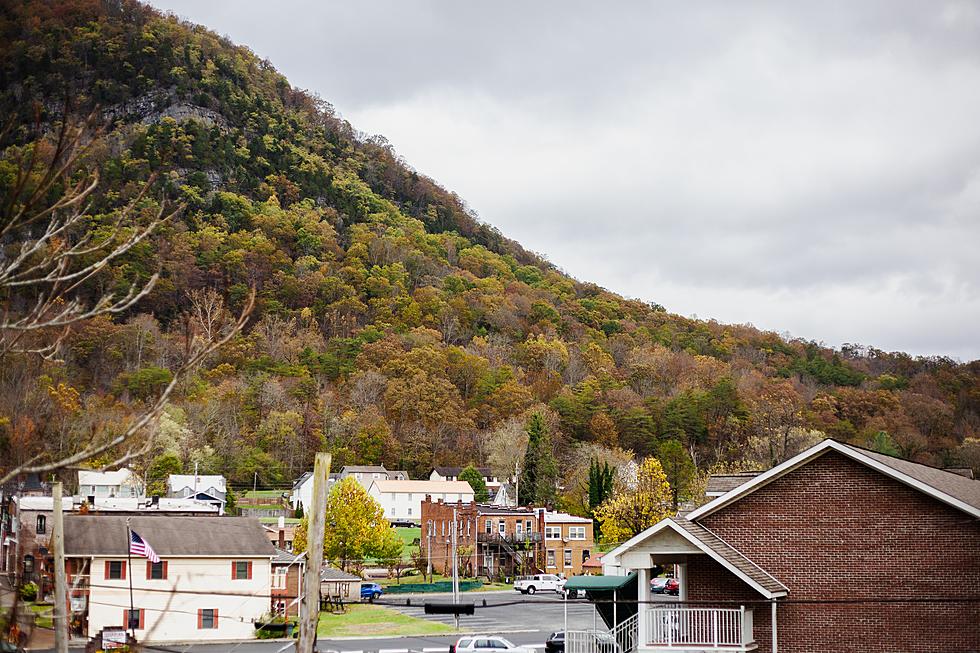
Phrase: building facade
[568,543]
[837,549]
[212,583]
[119,483]
[287,583]
[402,500]
[209,488]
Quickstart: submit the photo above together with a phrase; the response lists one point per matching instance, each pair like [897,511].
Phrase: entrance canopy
[603,590]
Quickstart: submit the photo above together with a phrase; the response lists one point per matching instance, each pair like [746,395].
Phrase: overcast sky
[805,167]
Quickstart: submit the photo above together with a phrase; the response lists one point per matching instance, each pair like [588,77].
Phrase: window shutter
[125,619]
[122,565]
[142,614]
[107,570]
[215,622]
[200,618]
[250,570]
[165,570]
[149,570]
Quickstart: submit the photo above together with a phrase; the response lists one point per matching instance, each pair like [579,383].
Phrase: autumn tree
[473,476]
[632,510]
[356,527]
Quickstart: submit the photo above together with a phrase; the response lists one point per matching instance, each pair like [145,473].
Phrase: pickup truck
[538,583]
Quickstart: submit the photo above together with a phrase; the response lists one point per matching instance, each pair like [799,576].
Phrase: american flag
[138,546]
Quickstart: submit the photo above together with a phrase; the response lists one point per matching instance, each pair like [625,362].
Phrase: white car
[539,583]
[487,644]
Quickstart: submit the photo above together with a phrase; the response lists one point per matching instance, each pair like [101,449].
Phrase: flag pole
[129,574]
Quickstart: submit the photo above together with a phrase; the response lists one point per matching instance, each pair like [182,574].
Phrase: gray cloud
[807,167]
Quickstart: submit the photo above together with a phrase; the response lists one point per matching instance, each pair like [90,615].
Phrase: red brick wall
[836,530]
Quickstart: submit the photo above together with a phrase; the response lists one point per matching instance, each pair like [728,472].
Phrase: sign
[113,638]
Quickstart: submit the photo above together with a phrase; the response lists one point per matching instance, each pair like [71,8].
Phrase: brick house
[287,583]
[836,549]
[568,543]
[492,540]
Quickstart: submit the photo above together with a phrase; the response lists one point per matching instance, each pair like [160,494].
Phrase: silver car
[487,644]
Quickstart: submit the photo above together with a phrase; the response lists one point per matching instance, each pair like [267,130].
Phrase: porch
[653,623]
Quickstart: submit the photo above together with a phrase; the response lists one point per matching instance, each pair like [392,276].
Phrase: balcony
[509,538]
[678,628]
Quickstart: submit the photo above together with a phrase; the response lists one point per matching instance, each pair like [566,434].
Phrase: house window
[489,526]
[115,570]
[241,570]
[156,570]
[550,558]
[552,532]
[501,527]
[207,618]
[279,578]
[576,532]
[519,529]
[42,524]
[585,555]
[410,512]
[133,618]
[568,557]
[529,525]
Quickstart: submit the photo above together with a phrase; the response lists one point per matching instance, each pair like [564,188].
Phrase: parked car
[371,591]
[570,594]
[658,585]
[672,587]
[604,642]
[555,642]
[538,583]
[486,644]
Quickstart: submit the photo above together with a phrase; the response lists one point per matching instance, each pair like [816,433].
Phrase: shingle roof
[956,486]
[284,557]
[115,477]
[721,483]
[363,468]
[730,555]
[490,509]
[331,573]
[169,536]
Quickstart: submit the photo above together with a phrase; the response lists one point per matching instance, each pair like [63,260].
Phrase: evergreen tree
[540,472]
[600,488]
[473,476]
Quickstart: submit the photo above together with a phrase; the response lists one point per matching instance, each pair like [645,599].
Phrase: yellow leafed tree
[636,507]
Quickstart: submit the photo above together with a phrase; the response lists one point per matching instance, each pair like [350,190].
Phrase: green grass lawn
[417,578]
[42,615]
[375,620]
[408,535]
[262,494]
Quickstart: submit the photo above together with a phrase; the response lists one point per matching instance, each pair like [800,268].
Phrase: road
[523,619]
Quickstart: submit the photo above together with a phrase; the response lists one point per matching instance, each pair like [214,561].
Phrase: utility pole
[59,617]
[455,569]
[255,482]
[517,482]
[310,608]
[428,550]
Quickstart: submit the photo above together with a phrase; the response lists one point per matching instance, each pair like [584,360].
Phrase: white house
[452,474]
[208,488]
[212,582]
[119,483]
[402,500]
[302,493]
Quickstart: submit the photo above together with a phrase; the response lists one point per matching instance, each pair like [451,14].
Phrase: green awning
[599,583]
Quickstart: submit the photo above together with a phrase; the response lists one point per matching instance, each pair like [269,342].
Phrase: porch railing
[622,639]
[682,627]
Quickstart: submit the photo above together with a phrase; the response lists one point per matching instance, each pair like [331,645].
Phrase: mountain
[392,326]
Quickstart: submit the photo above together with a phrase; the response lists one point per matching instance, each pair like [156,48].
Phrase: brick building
[837,549]
[491,541]
[287,583]
[568,543]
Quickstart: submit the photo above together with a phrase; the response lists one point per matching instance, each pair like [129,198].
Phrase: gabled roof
[286,558]
[302,479]
[104,535]
[116,477]
[715,547]
[334,574]
[952,489]
[204,482]
[376,469]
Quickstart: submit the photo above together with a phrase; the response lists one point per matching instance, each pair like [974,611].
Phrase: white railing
[621,639]
[682,627]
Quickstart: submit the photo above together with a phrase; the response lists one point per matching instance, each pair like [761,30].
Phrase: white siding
[173,617]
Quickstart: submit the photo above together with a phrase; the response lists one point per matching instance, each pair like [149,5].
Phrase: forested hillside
[391,325]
